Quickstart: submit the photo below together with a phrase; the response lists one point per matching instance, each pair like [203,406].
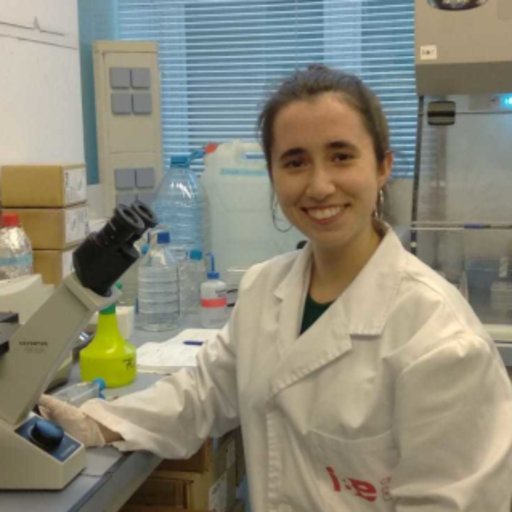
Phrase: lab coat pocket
[355,473]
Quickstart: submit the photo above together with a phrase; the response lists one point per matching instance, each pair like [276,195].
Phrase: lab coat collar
[326,340]
[366,303]
[369,298]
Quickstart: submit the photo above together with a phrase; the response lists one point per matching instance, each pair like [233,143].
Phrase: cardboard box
[53,228]
[213,489]
[177,489]
[199,462]
[53,265]
[44,185]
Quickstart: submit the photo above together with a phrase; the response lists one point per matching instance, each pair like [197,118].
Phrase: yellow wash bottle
[109,356]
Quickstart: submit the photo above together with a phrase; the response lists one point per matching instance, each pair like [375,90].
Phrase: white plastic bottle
[213,299]
[158,294]
[15,248]
[192,272]
[235,179]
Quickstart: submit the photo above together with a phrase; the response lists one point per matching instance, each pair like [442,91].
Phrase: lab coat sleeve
[174,416]
[453,426]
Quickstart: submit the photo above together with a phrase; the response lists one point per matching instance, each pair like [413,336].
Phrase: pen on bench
[196,343]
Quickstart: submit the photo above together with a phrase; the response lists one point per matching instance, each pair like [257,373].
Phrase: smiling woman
[326,142]
[326,177]
[362,380]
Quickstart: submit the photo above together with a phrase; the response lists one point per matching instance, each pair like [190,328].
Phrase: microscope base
[27,464]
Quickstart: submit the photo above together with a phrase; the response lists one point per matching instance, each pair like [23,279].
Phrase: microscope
[34,452]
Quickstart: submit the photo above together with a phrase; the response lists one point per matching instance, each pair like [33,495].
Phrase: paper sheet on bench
[171,355]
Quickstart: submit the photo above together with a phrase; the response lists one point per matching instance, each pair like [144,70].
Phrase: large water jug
[180,206]
[238,189]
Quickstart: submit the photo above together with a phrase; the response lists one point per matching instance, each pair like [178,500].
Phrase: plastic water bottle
[213,299]
[179,205]
[192,272]
[15,248]
[158,295]
[77,394]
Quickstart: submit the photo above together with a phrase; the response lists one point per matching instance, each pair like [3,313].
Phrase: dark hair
[314,81]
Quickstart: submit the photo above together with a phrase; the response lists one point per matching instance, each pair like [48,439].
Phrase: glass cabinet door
[463,222]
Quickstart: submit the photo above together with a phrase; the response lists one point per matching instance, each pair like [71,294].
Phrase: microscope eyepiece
[104,256]
[145,213]
[124,225]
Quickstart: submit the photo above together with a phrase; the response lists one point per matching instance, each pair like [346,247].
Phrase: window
[220,58]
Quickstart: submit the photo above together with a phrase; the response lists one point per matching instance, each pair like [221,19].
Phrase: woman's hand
[75,422]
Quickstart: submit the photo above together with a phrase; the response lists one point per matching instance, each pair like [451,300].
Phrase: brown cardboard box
[44,185]
[53,265]
[214,488]
[175,488]
[199,462]
[53,228]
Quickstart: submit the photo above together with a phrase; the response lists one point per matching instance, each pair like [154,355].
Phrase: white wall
[40,97]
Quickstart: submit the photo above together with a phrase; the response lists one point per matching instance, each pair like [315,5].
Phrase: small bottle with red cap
[15,248]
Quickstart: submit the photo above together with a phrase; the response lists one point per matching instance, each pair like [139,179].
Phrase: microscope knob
[46,434]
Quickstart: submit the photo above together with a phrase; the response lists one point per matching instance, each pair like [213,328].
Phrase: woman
[362,380]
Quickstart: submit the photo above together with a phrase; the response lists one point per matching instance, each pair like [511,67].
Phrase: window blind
[219,59]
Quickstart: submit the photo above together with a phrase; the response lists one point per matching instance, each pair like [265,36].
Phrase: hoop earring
[276,220]
[378,213]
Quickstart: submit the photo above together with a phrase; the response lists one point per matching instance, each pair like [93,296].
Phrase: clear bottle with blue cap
[77,394]
[213,298]
[158,294]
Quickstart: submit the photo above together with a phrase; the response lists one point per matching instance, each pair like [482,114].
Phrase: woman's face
[325,172]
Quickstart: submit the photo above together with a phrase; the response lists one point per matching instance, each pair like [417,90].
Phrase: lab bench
[110,476]
[109,479]
[505,350]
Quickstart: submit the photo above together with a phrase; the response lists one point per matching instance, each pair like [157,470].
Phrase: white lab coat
[395,399]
